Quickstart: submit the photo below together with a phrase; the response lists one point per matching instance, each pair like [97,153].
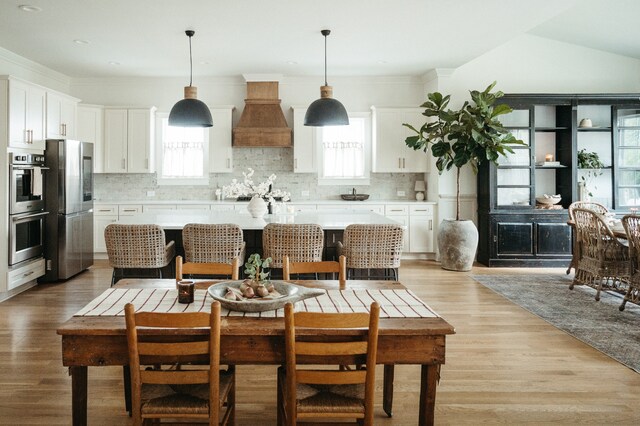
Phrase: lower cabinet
[524,239]
[103,215]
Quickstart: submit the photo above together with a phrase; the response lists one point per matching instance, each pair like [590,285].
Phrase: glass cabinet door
[628,176]
[513,174]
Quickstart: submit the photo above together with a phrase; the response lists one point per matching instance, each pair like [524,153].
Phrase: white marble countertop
[328,220]
[231,201]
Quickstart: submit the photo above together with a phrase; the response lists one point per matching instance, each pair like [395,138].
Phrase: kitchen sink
[354,197]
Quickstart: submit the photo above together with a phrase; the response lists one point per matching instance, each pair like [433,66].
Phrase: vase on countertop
[257,207]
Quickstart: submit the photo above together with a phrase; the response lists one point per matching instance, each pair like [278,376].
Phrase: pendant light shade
[190,112]
[326,111]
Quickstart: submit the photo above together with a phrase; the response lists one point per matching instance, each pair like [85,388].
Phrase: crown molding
[29,66]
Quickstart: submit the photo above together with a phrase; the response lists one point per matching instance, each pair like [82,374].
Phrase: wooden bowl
[548,201]
[290,293]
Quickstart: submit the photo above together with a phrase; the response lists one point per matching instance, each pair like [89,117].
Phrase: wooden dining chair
[300,269]
[631,225]
[194,391]
[209,268]
[321,393]
[604,260]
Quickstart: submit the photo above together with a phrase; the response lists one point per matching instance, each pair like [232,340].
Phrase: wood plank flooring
[504,365]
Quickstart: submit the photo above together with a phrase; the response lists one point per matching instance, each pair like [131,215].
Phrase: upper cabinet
[220,140]
[304,144]
[390,153]
[129,140]
[89,129]
[61,116]
[26,115]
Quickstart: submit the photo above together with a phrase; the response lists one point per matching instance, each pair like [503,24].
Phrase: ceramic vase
[257,207]
[457,242]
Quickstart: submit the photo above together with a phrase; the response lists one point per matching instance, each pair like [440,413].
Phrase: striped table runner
[393,303]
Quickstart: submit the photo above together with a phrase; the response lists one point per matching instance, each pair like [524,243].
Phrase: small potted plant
[471,135]
[590,162]
[258,271]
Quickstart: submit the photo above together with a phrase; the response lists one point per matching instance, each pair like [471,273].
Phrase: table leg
[387,390]
[126,373]
[79,395]
[428,383]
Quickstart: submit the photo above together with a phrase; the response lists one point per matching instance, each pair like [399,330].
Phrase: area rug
[599,324]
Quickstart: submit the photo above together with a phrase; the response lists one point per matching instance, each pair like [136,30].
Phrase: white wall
[17,66]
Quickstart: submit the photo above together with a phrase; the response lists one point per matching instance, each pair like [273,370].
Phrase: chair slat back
[324,267]
[191,268]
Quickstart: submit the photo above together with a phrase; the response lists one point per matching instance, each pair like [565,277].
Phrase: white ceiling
[233,37]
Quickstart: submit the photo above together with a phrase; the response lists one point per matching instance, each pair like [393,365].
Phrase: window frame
[368,142]
[182,181]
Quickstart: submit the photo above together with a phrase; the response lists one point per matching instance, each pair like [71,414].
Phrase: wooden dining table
[96,341]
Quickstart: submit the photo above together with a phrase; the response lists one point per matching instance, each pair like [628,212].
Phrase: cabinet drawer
[192,207]
[224,207]
[421,210]
[396,210]
[299,207]
[157,207]
[129,209]
[24,274]
[375,208]
[105,209]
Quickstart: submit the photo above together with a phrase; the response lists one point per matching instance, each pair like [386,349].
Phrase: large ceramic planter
[457,243]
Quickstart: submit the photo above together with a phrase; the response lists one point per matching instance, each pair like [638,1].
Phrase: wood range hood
[262,122]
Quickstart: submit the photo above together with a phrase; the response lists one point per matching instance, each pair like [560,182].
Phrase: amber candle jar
[186,291]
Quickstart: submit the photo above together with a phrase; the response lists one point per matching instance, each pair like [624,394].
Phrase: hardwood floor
[504,365]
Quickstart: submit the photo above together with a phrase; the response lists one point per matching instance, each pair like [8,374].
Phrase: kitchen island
[333,223]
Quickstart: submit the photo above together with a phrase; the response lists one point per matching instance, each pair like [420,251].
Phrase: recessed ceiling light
[79,41]
[292,63]
[29,8]
[114,63]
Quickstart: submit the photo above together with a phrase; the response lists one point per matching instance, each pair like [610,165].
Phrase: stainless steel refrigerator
[68,245]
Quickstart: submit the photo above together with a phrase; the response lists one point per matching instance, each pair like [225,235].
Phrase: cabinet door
[304,144]
[404,220]
[220,137]
[115,140]
[18,131]
[68,112]
[553,239]
[139,141]
[99,223]
[89,129]
[36,104]
[61,117]
[421,234]
[390,152]
[514,239]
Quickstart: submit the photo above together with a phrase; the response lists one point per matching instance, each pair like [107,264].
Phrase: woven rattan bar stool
[631,225]
[132,247]
[604,260]
[590,205]
[302,243]
[207,243]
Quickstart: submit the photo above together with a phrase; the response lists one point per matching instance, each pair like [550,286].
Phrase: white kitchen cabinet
[304,144]
[147,208]
[26,115]
[89,129]
[375,208]
[400,213]
[198,207]
[390,153]
[229,207]
[103,215]
[129,140]
[298,207]
[220,139]
[421,223]
[129,209]
[24,273]
[61,116]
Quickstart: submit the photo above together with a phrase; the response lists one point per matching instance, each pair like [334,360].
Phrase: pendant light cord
[191,64]
[325,60]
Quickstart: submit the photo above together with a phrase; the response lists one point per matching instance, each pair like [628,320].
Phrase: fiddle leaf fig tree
[471,135]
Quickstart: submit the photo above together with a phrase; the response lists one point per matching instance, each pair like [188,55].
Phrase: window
[182,154]
[628,158]
[345,152]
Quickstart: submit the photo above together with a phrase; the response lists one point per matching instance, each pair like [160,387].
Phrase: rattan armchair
[604,260]
[208,243]
[367,247]
[590,205]
[324,393]
[302,243]
[137,247]
[631,225]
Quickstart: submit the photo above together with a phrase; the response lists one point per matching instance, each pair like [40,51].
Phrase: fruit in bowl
[548,199]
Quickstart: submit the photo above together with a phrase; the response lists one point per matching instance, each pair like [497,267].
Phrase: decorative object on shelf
[420,189]
[590,162]
[258,192]
[354,196]
[469,135]
[548,158]
[548,199]
[326,111]
[585,122]
[190,112]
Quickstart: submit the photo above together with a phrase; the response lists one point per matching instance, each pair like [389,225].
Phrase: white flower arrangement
[249,188]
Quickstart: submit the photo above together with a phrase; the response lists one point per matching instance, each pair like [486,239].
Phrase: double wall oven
[26,207]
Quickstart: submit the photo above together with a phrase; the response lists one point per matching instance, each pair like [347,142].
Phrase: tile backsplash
[126,186]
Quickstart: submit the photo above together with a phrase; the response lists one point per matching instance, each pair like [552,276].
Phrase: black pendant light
[326,111]
[190,112]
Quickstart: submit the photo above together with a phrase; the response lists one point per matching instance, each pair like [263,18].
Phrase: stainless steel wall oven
[26,205]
